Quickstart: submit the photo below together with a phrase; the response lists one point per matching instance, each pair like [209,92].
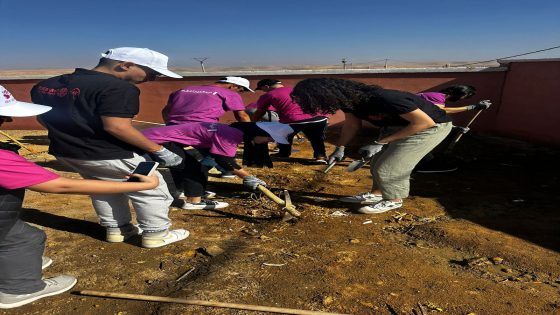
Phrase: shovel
[357,164]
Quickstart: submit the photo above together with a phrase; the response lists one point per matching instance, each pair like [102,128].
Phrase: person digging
[219,141]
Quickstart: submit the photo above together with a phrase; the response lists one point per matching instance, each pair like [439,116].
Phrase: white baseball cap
[142,56]
[279,132]
[11,108]
[237,81]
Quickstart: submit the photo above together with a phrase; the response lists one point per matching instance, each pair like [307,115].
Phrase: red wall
[524,104]
[531,93]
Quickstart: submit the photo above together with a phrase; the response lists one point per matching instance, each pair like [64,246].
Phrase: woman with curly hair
[410,128]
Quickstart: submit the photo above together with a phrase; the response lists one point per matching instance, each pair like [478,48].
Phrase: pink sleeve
[17,172]
[264,102]
[234,102]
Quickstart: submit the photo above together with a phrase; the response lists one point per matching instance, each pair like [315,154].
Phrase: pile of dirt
[483,239]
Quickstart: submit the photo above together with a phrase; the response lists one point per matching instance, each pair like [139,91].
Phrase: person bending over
[410,128]
[219,141]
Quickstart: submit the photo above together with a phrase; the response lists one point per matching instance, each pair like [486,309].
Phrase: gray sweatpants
[21,248]
[151,206]
[391,168]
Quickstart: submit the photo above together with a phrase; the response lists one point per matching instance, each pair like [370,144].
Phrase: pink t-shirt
[287,110]
[201,103]
[221,139]
[17,172]
[433,97]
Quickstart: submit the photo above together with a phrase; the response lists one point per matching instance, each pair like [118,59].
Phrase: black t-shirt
[78,101]
[385,107]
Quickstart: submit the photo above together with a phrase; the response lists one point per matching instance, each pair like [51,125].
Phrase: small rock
[211,250]
[393,294]
[497,260]
[354,241]
[264,237]
[251,232]
[379,282]
[328,300]
[506,270]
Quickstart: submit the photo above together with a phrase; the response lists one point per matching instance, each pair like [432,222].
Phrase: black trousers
[314,129]
[21,247]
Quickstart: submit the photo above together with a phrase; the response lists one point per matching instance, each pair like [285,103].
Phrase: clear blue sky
[68,34]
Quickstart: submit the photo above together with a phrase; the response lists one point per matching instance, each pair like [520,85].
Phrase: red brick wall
[525,106]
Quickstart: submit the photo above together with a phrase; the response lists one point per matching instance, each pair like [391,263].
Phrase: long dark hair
[327,95]
[456,92]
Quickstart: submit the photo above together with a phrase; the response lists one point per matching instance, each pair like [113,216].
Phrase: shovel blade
[356,165]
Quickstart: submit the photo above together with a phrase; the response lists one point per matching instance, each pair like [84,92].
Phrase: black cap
[269,82]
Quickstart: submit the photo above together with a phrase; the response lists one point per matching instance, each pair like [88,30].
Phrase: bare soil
[484,240]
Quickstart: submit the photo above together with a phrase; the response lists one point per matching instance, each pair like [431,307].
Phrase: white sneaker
[366,198]
[55,285]
[45,262]
[118,235]
[161,239]
[207,194]
[380,207]
[204,205]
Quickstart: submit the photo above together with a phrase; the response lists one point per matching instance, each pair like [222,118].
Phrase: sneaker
[227,174]
[120,234]
[380,207]
[55,285]
[366,198]
[207,194]
[160,239]
[321,160]
[45,262]
[204,205]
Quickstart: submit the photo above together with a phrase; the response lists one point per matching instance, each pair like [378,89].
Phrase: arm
[63,185]
[241,115]
[352,125]
[258,114]
[455,110]
[418,121]
[122,129]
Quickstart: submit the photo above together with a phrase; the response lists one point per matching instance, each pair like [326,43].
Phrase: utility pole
[201,60]
[344,63]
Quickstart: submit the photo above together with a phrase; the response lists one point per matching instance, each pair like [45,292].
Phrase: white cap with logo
[277,131]
[237,81]
[142,56]
[11,108]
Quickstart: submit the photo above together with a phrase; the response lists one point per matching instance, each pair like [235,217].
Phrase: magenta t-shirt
[201,103]
[221,139]
[433,97]
[287,110]
[17,172]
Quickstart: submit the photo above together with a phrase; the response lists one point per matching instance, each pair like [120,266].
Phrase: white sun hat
[237,81]
[142,56]
[278,131]
[9,107]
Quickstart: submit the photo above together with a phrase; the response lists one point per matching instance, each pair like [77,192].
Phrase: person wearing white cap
[90,130]
[22,245]
[219,141]
[207,103]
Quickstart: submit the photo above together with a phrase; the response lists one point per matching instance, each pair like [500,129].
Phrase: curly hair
[327,95]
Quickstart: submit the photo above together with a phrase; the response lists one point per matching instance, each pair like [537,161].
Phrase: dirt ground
[484,240]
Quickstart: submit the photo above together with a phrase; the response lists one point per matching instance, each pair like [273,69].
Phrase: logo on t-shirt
[7,96]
